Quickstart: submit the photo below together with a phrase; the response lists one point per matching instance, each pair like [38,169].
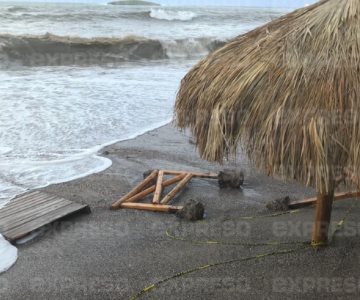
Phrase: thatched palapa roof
[288,92]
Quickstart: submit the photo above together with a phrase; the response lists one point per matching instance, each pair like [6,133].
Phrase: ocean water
[54,120]
[76,77]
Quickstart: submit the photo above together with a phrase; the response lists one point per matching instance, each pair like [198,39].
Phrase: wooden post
[176,189]
[194,174]
[322,219]
[152,207]
[143,194]
[159,188]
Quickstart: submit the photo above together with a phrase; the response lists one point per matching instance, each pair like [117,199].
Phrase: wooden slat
[55,215]
[28,216]
[35,207]
[31,211]
[16,204]
[29,205]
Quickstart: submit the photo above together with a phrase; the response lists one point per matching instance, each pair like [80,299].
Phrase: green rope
[304,245]
[200,268]
[169,233]
[341,223]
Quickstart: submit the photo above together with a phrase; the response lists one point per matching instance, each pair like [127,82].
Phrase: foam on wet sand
[8,254]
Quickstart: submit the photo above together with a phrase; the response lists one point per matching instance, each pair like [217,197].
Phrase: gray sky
[263,3]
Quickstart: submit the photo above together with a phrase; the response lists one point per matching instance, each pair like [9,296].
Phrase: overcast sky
[264,3]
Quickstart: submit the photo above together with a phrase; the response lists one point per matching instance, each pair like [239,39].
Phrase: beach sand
[115,254]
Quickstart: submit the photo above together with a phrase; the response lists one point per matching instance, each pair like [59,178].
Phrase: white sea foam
[190,48]
[4,150]
[53,127]
[8,254]
[172,15]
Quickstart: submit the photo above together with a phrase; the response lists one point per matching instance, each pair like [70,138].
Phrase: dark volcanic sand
[115,254]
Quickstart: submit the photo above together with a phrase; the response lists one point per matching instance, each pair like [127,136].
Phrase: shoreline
[8,248]
[97,153]
[115,254]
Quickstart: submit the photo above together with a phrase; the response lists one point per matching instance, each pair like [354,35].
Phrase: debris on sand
[193,210]
[231,178]
[281,204]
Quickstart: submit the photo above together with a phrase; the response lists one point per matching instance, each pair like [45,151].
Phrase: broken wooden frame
[144,188]
[181,179]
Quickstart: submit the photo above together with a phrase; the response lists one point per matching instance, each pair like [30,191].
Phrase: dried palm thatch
[288,92]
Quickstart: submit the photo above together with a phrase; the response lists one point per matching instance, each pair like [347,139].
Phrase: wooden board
[32,211]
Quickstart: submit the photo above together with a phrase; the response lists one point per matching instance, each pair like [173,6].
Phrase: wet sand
[116,254]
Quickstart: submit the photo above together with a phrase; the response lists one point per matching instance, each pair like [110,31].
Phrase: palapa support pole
[337,196]
[311,201]
[176,189]
[136,189]
[143,194]
[152,207]
[159,187]
[322,219]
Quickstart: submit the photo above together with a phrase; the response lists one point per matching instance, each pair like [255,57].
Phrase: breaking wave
[14,13]
[15,8]
[191,48]
[53,50]
[171,15]
[155,14]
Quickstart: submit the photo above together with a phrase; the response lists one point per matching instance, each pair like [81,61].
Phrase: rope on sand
[302,246]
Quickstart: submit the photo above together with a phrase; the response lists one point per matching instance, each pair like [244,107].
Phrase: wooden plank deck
[32,211]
